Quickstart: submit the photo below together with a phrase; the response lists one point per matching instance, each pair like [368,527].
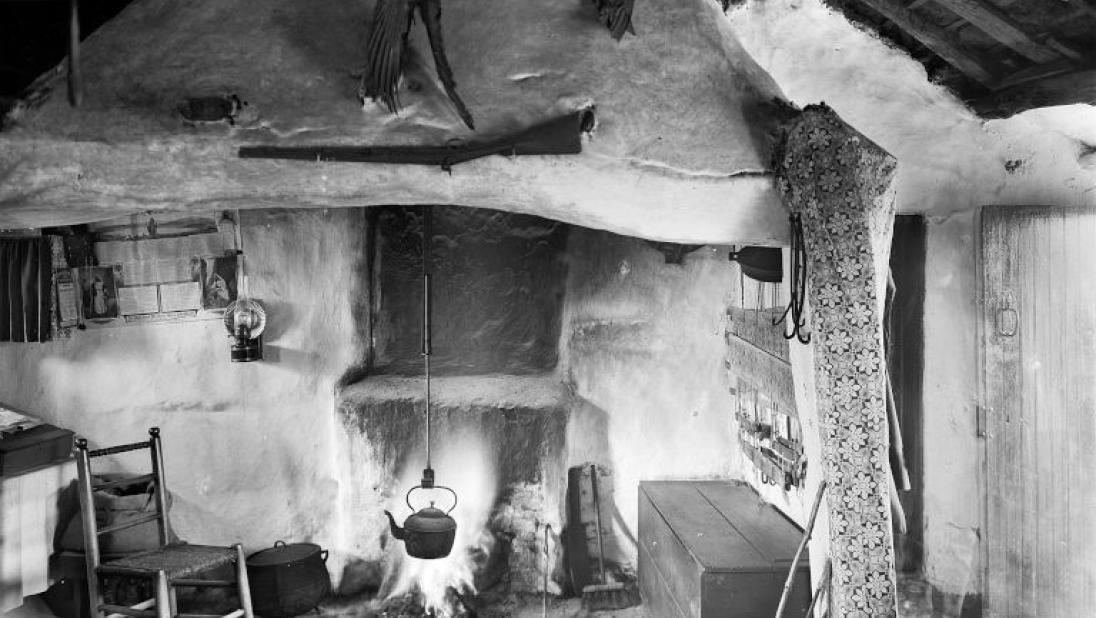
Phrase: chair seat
[177,561]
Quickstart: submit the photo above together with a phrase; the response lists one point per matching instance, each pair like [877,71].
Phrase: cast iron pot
[287,580]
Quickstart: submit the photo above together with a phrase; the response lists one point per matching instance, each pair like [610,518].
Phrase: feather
[431,17]
[386,45]
[616,15]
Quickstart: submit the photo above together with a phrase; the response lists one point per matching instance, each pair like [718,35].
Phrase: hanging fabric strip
[843,186]
[25,279]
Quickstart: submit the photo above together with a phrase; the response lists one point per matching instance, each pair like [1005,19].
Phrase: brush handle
[597,522]
[544,575]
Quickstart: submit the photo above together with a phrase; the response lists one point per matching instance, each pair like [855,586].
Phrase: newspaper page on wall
[162,267]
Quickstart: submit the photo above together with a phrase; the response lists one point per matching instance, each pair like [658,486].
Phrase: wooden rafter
[939,40]
[1035,73]
[1063,88]
[1003,28]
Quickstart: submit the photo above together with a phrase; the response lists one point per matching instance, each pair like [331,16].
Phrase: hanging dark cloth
[25,279]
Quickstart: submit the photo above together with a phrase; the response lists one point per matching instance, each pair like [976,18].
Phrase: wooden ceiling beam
[992,21]
[932,36]
[957,24]
[1035,73]
[1077,86]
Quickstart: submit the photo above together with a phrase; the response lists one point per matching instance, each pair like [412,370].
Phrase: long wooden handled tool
[799,551]
[605,595]
[823,586]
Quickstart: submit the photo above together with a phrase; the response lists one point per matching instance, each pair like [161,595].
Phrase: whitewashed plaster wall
[248,446]
[643,345]
[950,163]
[953,454]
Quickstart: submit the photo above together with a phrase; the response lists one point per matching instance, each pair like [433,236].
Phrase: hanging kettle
[429,532]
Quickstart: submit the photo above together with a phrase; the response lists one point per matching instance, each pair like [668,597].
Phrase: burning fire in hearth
[464,464]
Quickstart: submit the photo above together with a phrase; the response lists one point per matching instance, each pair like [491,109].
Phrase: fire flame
[463,464]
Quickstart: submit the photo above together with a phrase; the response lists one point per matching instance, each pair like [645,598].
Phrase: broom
[606,595]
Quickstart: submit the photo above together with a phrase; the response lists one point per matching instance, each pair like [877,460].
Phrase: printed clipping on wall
[156,268]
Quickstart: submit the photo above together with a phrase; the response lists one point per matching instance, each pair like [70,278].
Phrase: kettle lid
[430,519]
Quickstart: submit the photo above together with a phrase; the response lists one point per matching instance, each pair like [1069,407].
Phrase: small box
[35,447]
[712,549]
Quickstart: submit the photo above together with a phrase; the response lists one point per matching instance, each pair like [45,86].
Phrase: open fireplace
[537,328]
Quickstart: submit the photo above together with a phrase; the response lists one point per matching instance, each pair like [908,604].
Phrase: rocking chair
[170,566]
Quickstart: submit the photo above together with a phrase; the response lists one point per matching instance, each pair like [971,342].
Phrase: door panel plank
[1040,393]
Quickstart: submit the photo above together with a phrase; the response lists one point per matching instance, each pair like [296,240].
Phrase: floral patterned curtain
[841,185]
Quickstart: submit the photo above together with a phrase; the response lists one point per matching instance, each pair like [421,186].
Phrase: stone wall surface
[248,446]
[496,291]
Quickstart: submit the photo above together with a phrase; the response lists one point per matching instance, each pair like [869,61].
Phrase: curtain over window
[25,277]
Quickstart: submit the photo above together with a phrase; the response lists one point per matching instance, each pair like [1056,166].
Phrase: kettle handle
[407,498]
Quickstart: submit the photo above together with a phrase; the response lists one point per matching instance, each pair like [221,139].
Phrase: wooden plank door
[1039,333]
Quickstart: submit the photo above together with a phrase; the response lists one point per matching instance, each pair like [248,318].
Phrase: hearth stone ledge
[494,390]
[518,423]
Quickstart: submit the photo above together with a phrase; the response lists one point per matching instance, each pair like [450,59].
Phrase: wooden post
[243,586]
[799,550]
[163,596]
[91,537]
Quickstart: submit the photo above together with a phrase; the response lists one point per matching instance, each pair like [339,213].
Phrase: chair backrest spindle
[87,491]
[87,504]
[160,489]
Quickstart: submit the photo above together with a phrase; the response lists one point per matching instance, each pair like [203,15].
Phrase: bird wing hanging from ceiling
[616,15]
[386,52]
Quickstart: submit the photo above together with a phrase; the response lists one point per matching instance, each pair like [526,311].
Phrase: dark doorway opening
[905,341]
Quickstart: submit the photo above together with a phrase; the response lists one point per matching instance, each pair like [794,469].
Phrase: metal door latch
[1006,319]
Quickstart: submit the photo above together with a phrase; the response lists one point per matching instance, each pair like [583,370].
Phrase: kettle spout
[396,530]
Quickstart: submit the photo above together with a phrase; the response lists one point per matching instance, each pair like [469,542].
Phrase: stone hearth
[498,441]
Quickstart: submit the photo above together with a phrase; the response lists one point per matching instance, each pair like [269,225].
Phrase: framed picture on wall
[218,282]
[99,292]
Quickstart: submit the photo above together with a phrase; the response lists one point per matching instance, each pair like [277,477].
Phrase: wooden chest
[714,548]
[29,449]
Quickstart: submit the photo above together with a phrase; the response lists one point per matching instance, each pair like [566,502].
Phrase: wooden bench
[715,548]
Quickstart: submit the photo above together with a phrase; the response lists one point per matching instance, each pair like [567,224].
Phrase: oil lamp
[245,320]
